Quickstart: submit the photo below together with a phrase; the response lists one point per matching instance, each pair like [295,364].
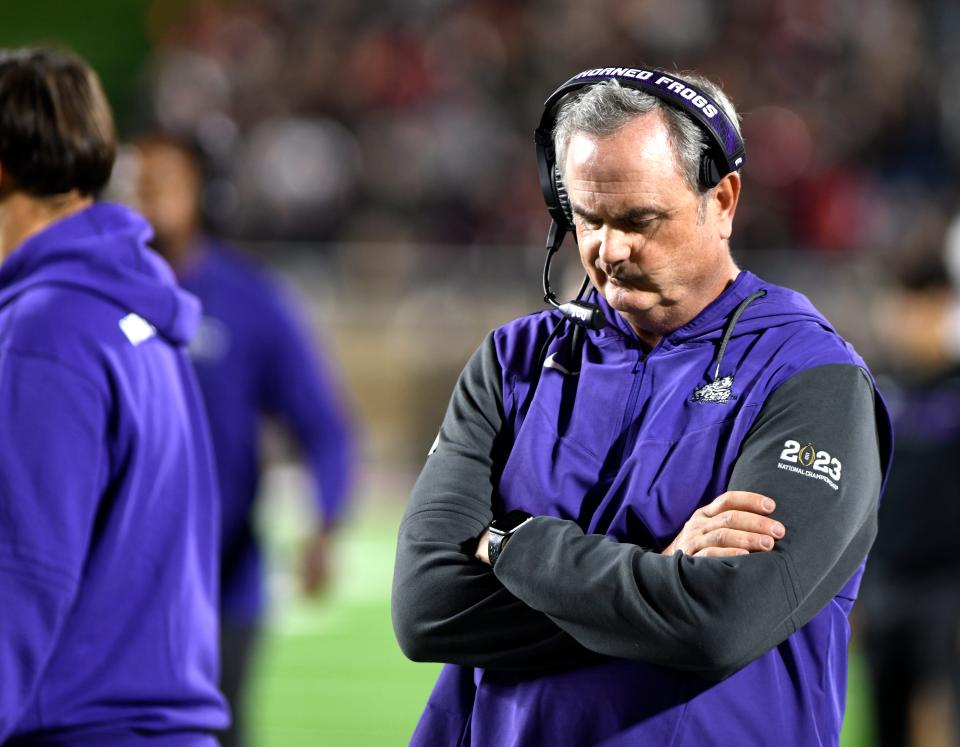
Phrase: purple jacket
[254,357]
[108,501]
[584,633]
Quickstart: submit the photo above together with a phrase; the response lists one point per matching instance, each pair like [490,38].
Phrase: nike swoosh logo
[551,362]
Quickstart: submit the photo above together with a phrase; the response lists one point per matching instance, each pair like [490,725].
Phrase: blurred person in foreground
[651,530]
[909,621]
[108,505]
[254,358]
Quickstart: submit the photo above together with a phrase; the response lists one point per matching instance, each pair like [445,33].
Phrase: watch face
[509,521]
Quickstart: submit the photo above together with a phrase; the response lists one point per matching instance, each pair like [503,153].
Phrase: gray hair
[604,108]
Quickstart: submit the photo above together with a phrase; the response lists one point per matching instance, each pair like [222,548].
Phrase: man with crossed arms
[653,535]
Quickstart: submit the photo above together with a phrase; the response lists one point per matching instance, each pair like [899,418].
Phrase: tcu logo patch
[719,391]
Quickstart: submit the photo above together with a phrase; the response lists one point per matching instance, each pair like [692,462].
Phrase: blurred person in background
[254,358]
[910,617]
[591,546]
[108,504]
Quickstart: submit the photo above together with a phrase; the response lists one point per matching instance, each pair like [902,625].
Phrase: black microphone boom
[580,312]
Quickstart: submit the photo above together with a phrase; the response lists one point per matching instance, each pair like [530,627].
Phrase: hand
[316,563]
[734,523]
[482,547]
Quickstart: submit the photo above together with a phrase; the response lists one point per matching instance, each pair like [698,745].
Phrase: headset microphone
[580,312]
[584,315]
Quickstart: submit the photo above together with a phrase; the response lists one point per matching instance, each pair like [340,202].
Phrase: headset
[724,153]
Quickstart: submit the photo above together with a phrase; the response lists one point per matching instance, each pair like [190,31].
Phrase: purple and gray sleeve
[447,606]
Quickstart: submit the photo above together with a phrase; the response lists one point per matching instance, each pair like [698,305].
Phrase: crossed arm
[559,597]
[734,523]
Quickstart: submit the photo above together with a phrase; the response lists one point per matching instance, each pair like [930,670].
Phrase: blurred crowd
[412,121]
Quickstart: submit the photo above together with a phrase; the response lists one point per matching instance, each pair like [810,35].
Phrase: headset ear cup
[562,198]
[710,173]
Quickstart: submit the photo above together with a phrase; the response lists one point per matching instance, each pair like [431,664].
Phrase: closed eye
[644,225]
[588,222]
[640,220]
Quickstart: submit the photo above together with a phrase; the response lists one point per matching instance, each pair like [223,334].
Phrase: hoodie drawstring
[728,332]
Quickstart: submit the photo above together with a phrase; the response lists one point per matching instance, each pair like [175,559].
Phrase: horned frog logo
[718,391]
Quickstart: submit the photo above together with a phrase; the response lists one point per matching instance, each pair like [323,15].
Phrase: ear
[724,202]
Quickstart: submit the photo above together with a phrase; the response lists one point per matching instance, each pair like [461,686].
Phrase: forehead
[161,160]
[638,154]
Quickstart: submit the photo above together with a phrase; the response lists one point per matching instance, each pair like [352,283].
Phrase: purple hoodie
[583,633]
[108,503]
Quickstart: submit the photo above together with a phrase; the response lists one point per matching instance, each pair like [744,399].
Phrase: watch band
[495,546]
[501,529]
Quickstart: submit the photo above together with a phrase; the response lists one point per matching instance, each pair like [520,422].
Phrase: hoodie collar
[709,321]
[714,316]
[103,250]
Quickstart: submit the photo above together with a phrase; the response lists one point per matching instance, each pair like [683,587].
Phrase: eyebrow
[636,214]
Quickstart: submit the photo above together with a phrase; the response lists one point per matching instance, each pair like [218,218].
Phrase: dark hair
[56,129]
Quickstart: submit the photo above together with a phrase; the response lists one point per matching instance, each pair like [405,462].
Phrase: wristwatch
[501,529]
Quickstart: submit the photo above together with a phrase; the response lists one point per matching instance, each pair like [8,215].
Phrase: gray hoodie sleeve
[815,450]
[446,605]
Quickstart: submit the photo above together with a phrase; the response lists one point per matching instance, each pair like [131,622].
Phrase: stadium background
[379,155]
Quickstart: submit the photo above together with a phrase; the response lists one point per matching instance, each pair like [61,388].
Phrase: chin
[630,300]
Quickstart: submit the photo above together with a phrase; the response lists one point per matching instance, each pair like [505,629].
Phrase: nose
[614,246]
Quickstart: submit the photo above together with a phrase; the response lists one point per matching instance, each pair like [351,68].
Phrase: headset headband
[724,154]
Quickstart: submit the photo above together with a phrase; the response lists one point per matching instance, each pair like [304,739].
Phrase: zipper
[628,424]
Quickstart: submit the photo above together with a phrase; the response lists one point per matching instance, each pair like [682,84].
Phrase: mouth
[625,281]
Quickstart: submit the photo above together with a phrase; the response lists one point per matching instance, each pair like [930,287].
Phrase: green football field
[331,672]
